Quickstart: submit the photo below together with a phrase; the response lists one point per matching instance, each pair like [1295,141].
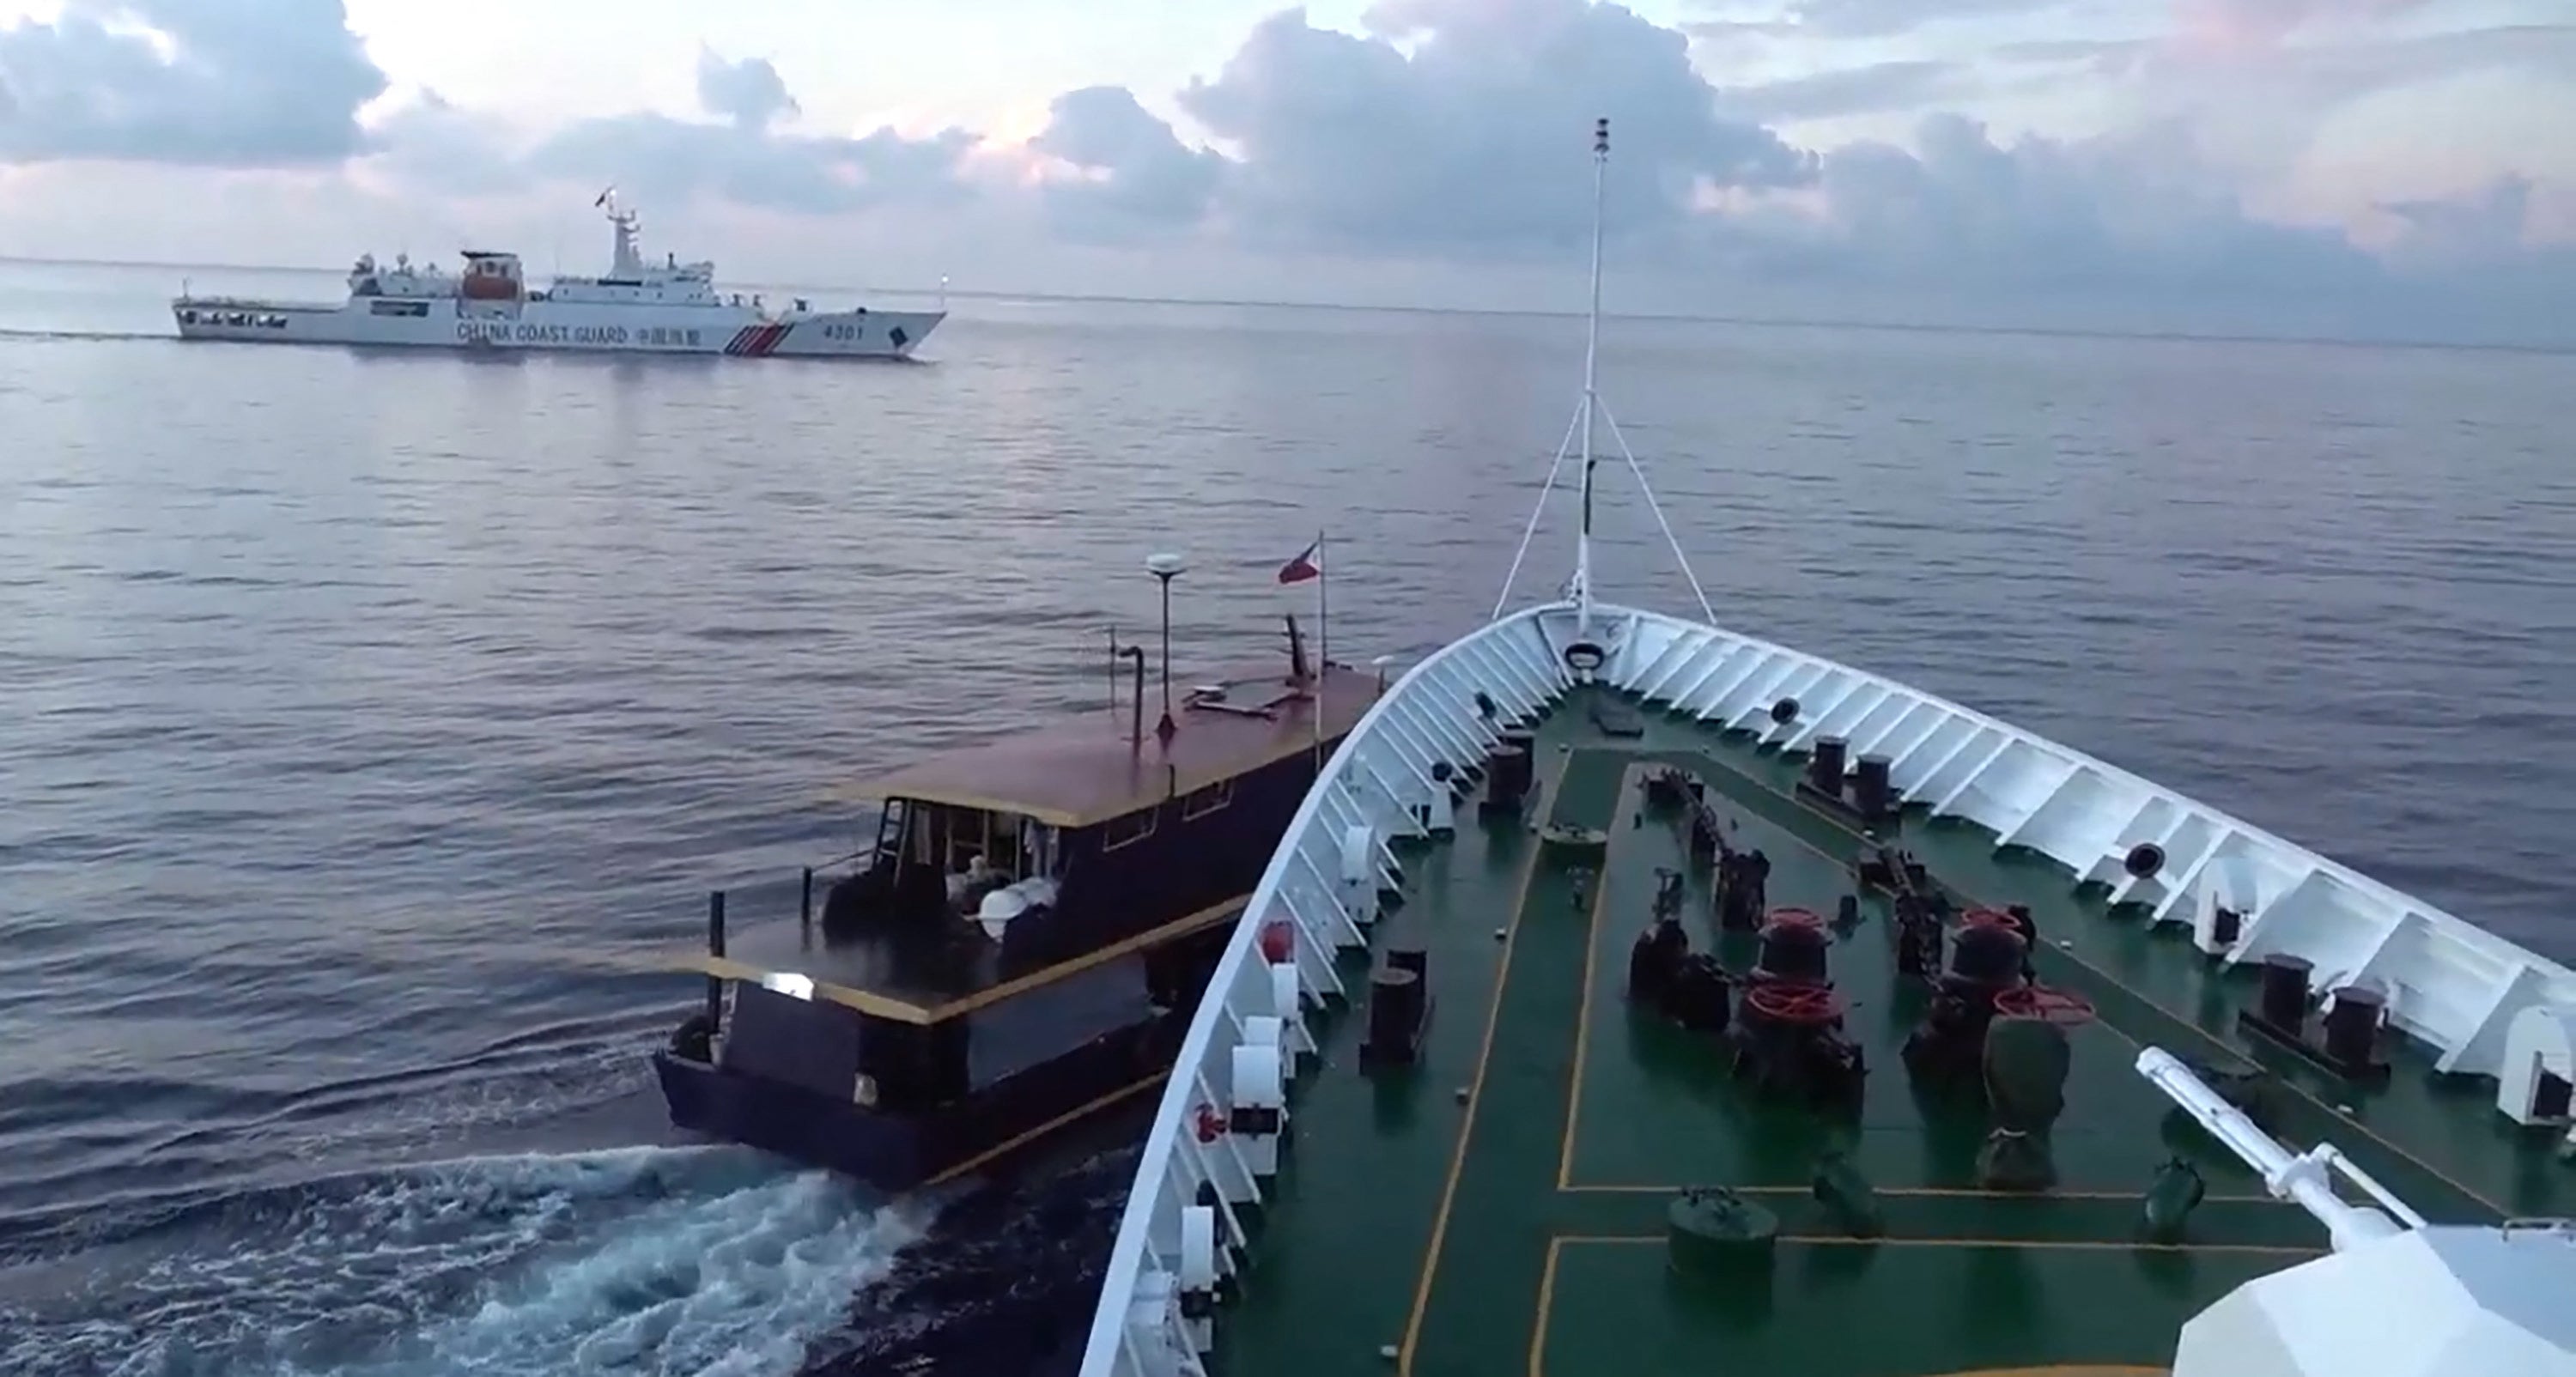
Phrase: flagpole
[1323,645]
[1323,604]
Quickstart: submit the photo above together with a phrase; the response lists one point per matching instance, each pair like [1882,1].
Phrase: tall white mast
[1591,358]
[1579,588]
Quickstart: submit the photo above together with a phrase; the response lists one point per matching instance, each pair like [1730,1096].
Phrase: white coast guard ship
[640,308]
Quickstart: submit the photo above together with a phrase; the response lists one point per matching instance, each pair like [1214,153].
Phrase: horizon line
[1399,308]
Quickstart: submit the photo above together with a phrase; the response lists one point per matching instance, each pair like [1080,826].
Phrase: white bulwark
[638,308]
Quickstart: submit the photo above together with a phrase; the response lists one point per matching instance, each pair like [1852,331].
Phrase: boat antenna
[1579,590]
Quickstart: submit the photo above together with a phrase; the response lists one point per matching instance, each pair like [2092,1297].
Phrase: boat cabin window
[999,847]
[1128,830]
[1201,802]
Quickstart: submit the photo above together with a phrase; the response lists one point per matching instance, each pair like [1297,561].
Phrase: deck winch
[1665,975]
[1743,880]
[1987,957]
[1792,948]
[1921,909]
[1789,1042]
[1789,1029]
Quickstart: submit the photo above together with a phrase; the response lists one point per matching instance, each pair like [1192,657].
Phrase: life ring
[1209,1124]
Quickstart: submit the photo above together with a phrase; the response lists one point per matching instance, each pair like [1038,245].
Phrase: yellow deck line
[1557,1243]
[906,1011]
[2192,1026]
[1546,1303]
[2087,1244]
[1583,1014]
[1021,1139]
[1541,807]
[1939,1192]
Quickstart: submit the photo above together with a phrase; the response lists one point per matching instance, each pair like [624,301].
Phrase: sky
[2381,168]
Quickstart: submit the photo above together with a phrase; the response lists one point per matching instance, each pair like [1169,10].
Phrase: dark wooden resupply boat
[1023,944]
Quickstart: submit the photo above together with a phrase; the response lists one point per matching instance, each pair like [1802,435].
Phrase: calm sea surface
[364,717]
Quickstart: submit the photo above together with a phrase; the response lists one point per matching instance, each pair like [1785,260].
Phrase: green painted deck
[1500,1207]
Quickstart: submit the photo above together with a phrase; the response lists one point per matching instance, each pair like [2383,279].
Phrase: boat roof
[1085,771]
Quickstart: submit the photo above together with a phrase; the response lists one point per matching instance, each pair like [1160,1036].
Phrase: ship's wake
[647,1261]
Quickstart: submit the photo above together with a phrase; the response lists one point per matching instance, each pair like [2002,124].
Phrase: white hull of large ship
[567,326]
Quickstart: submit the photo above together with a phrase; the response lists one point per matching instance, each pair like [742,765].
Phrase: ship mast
[1591,361]
[624,260]
[1578,589]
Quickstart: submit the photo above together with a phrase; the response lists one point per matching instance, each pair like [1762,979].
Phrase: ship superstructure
[637,306]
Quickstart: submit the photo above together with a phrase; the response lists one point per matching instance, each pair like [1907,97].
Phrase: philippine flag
[1308,565]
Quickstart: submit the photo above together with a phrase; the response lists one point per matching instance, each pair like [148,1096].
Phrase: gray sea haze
[365,718]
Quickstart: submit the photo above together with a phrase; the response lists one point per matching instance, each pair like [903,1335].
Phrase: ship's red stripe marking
[768,340]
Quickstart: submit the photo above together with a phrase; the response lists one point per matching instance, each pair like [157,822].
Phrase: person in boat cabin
[973,878]
[962,846]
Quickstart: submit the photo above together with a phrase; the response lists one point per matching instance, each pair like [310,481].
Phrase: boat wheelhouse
[1023,941]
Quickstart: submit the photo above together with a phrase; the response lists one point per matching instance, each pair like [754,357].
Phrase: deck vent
[2144,860]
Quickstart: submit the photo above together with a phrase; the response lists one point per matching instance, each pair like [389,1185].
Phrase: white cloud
[1442,130]
[185,81]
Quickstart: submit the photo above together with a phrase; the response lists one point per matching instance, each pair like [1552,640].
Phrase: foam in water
[652,1261]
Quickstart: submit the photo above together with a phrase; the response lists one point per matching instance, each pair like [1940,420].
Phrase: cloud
[1444,132]
[2237,26]
[746,161]
[1868,18]
[748,92]
[433,144]
[2486,230]
[211,82]
[668,160]
[1456,125]
[1132,173]
[2140,214]
[1898,85]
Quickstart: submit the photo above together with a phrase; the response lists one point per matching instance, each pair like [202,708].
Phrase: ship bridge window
[398,308]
